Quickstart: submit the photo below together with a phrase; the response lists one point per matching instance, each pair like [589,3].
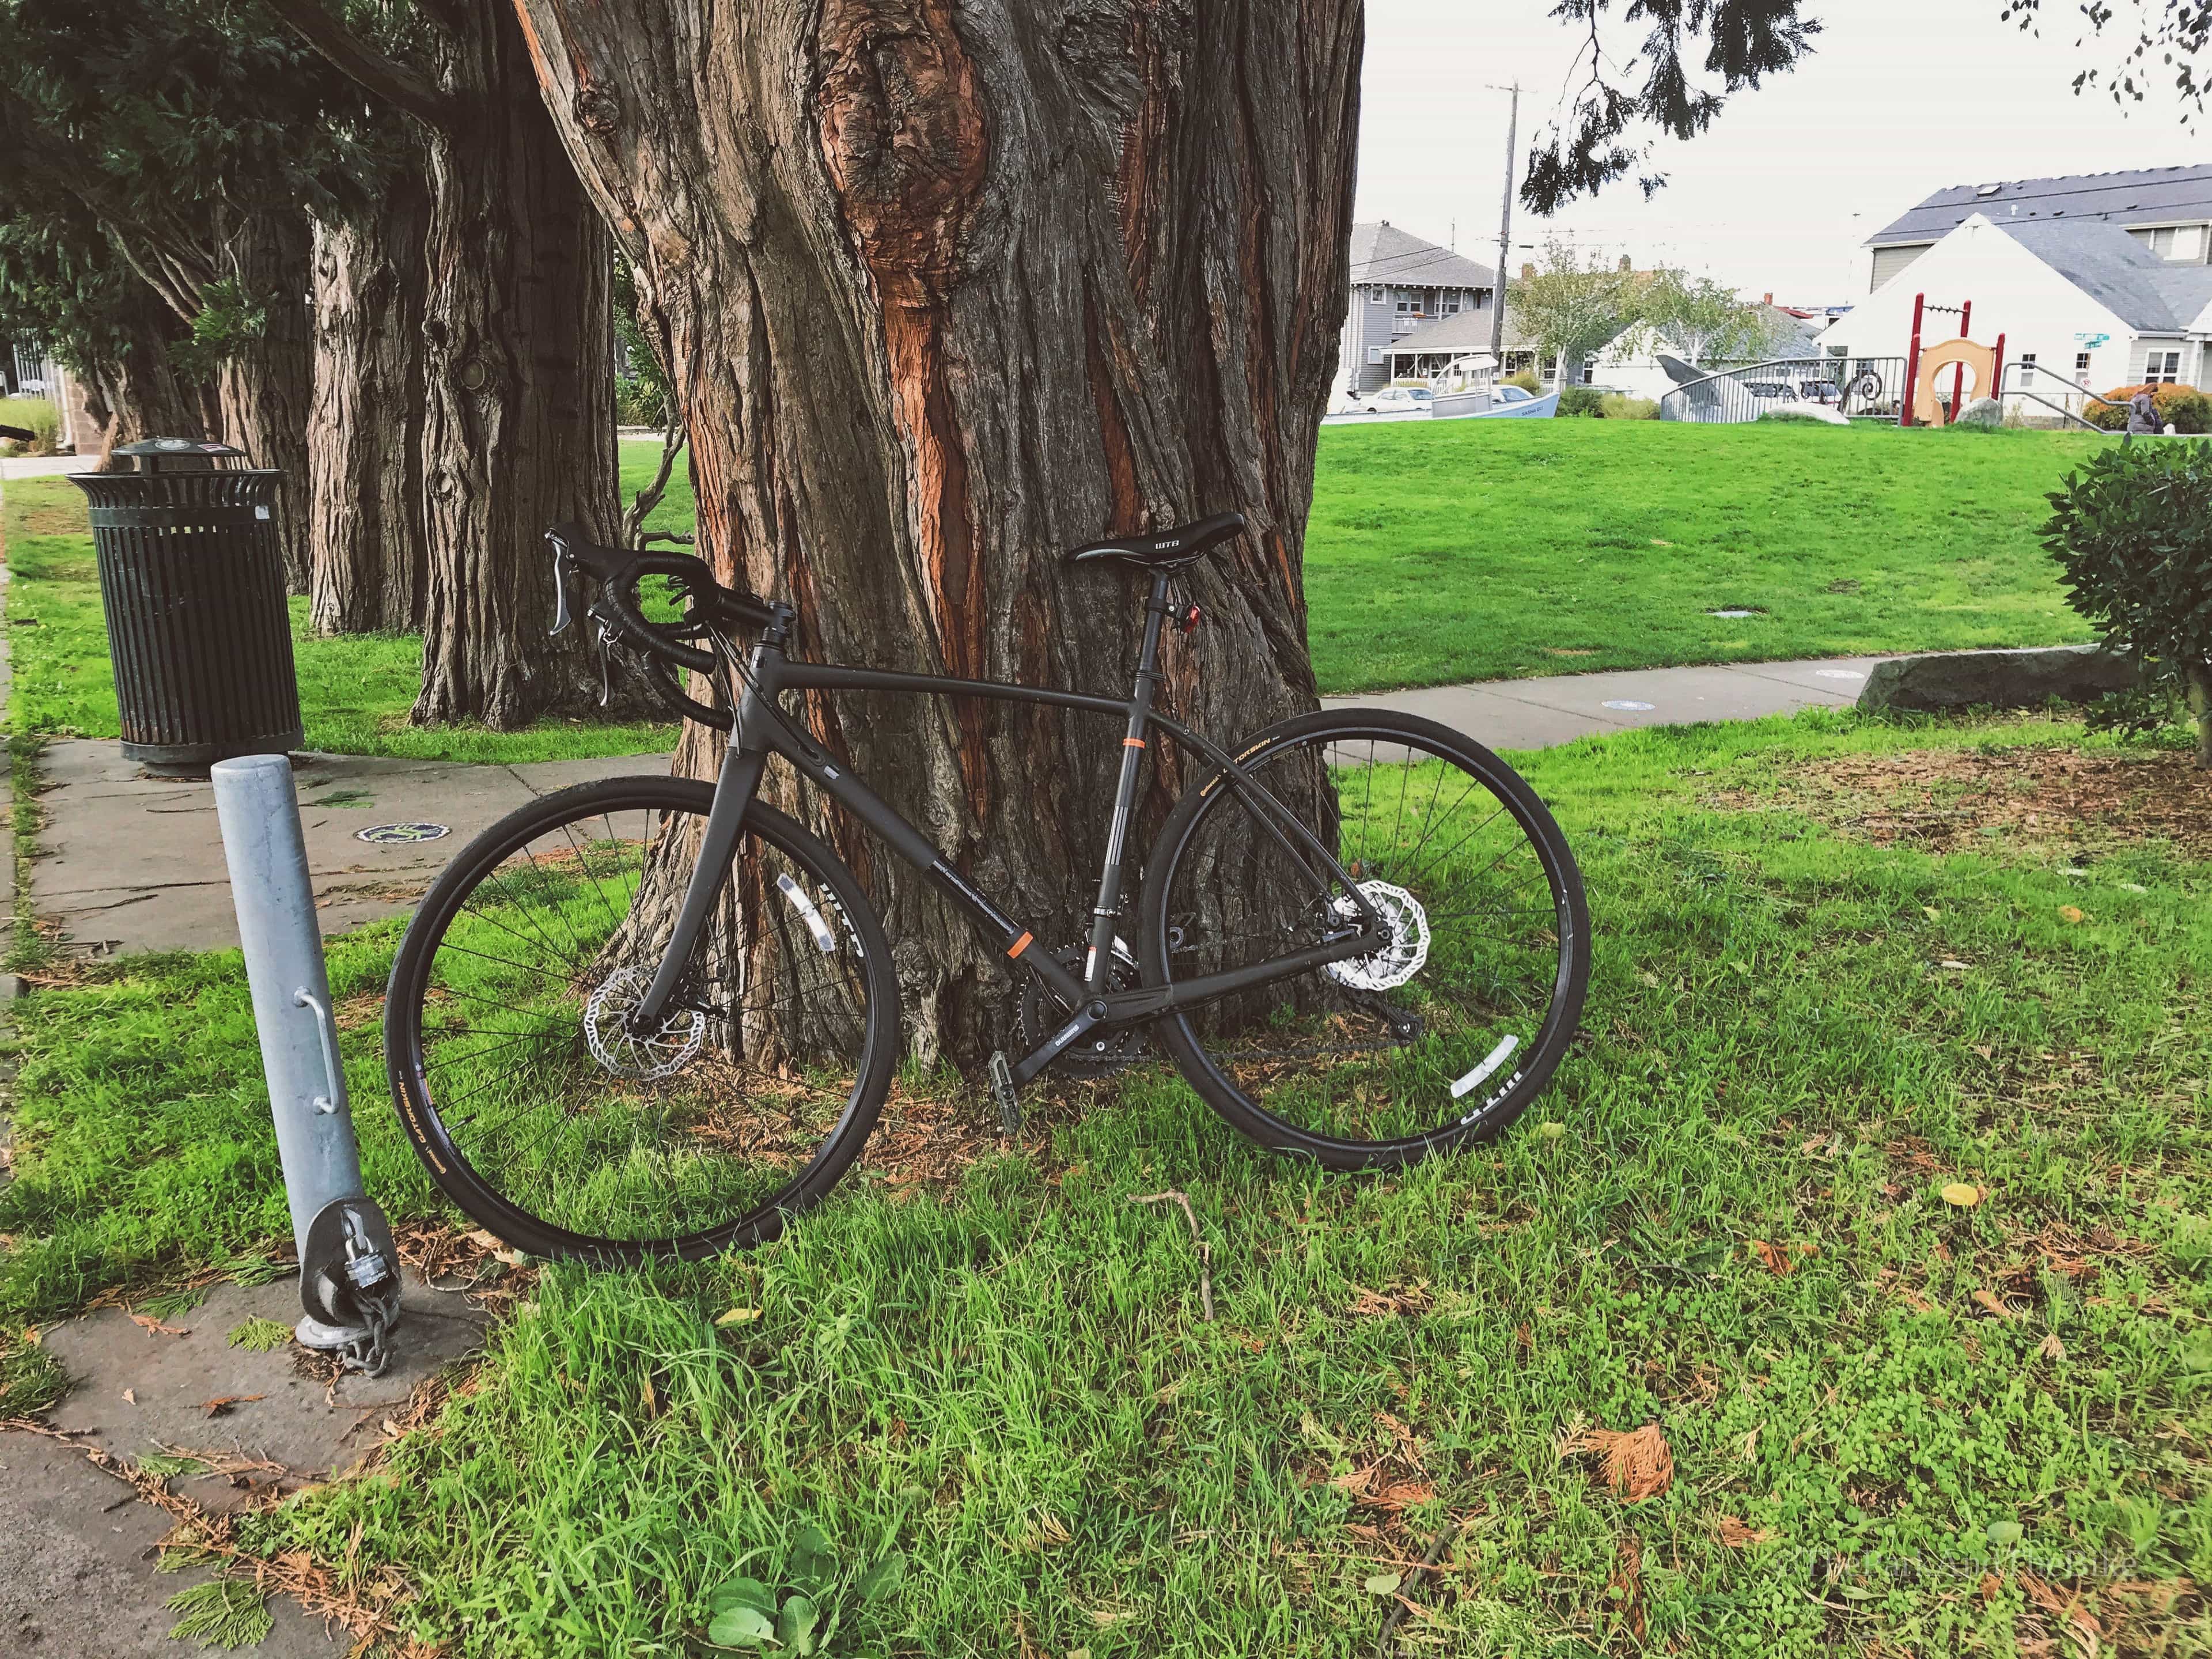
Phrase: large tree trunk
[138,390]
[944,297]
[267,385]
[518,429]
[366,517]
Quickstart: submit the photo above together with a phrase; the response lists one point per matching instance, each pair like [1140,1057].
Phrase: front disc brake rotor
[682,1031]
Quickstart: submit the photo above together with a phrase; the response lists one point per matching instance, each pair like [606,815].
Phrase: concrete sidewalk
[1537,713]
[128,862]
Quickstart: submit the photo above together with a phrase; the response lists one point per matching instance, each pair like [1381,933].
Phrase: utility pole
[1504,232]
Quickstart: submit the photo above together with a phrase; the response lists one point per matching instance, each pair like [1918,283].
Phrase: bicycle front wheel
[538,1106]
[1441,1037]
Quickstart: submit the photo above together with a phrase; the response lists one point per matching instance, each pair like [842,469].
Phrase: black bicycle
[647,1016]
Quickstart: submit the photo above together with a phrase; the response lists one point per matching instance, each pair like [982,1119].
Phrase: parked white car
[1395,400]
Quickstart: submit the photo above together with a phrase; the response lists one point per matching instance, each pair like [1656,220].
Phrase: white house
[2080,298]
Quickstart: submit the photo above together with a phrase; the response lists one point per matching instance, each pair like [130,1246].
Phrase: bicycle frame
[760,729]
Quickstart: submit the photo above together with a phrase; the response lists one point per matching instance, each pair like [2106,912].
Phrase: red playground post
[1959,370]
[1911,364]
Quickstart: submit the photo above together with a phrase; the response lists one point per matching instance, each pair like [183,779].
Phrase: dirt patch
[1942,800]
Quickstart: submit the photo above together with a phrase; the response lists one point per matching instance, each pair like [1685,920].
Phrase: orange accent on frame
[1133,743]
[1017,946]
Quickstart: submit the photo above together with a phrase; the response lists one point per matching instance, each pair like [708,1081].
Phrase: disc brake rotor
[1400,958]
[682,1031]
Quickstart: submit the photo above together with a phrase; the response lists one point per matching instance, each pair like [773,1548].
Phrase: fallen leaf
[1777,1258]
[1963,1195]
[1740,1535]
[2069,913]
[222,1402]
[738,1316]
[1383,1584]
[486,1241]
[1638,1463]
[2052,1347]
[1995,1304]
[33,1335]
[1955,964]
[1932,913]
[131,1396]
[149,1322]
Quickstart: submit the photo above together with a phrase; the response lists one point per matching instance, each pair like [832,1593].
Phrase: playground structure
[1925,406]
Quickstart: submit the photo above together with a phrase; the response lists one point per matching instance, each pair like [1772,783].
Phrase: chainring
[1102,1053]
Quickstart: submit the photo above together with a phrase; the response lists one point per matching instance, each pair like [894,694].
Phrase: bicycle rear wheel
[556,1125]
[1441,1037]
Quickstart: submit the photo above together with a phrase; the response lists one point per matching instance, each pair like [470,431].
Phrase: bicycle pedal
[1002,1090]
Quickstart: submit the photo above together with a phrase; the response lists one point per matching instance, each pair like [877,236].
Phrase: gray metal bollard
[349,1283]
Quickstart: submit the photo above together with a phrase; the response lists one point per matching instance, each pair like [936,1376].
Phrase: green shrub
[1620,406]
[1582,400]
[2132,533]
[1790,417]
[2184,407]
[637,403]
[1525,379]
[39,416]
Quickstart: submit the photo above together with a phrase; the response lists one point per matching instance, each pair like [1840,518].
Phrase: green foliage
[2184,407]
[36,416]
[228,322]
[1572,306]
[260,1335]
[645,397]
[223,1613]
[818,1590]
[1620,406]
[1525,379]
[1583,401]
[2131,531]
[1702,320]
[30,1381]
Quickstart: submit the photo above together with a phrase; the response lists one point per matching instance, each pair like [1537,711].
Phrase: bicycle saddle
[1168,549]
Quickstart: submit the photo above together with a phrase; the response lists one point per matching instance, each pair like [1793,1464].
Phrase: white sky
[1902,97]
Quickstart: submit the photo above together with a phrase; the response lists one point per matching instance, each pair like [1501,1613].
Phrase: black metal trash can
[193,585]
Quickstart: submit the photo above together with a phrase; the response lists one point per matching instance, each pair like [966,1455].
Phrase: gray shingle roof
[2118,272]
[1468,332]
[1381,252]
[2149,196]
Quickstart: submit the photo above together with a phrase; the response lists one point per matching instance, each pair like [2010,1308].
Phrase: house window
[1375,296]
[1589,370]
[2160,242]
[2162,367]
[1375,354]
[2024,379]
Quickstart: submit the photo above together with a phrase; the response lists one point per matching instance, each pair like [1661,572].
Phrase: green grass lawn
[1457,550]
[1478,550]
[1839,967]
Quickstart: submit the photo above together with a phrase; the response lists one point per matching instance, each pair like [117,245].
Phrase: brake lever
[606,657]
[562,619]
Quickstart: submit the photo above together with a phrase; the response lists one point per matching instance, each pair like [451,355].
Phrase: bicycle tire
[434,1137]
[1337,731]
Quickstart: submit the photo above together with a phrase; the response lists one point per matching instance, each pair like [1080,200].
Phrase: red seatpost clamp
[1190,619]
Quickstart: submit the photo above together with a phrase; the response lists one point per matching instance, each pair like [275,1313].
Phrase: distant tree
[1572,308]
[1702,320]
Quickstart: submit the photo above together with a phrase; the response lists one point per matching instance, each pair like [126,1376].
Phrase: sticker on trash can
[399,835]
[260,512]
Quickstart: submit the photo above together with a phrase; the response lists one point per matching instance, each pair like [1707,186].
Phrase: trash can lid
[187,453]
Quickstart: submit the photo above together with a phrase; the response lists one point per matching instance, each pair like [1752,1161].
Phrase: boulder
[1983,411]
[1995,679]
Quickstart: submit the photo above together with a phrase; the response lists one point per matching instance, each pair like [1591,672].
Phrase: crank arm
[1090,1015]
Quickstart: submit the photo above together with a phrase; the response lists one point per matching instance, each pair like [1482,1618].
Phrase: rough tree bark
[518,431]
[266,385]
[365,468]
[945,295]
[138,388]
